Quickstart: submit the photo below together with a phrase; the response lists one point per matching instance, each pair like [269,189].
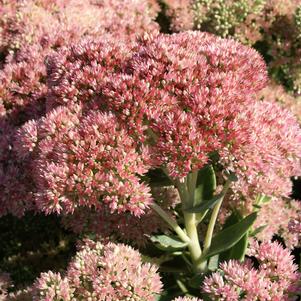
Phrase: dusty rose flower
[186,103]
[101,272]
[186,110]
[113,272]
[277,217]
[90,161]
[265,168]
[29,32]
[52,287]
[276,278]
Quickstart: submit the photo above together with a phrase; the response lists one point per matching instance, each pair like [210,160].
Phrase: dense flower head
[30,31]
[101,272]
[275,279]
[35,29]
[188,95]
[89,161]
[51,286]
[182,90]
[277,216]
[192,85]
[270,154]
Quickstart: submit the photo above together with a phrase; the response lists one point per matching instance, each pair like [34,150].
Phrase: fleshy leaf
[257,230]
[227,238]
[205,205]
[206,184]
[239,249]
[213,263]
[168,243]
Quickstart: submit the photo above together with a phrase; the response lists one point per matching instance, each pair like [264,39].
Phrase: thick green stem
[191,221]
[194,245]
[191,185]
[171,222]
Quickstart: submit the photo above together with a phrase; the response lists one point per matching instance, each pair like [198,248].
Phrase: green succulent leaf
[227,238]
[257,230]
[205,205]
[238,251]
[213,263]
[206,184]
[168,243]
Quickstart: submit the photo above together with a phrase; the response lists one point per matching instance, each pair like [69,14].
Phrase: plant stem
[191,184]
[194,245]
[209,233]
[171,222]
[213,218]
[191,221]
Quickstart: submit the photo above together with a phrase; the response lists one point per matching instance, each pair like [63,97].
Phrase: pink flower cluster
[275,279]
[175,100]
[87,161]
[29,32]
[101,272]
[182,90]
[278,217]
[270,154]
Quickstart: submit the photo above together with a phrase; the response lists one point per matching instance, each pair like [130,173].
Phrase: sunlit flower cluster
[101,272]
[89,161]
[279,217]
[266,167]
[29,32]
[275,279]
[271,25]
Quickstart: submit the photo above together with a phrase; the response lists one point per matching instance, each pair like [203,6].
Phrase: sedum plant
[164,141]
[180,111]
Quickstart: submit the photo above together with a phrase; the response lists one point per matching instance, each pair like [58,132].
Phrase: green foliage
[239,249]
[206,185]
[230,236]
[168,243]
